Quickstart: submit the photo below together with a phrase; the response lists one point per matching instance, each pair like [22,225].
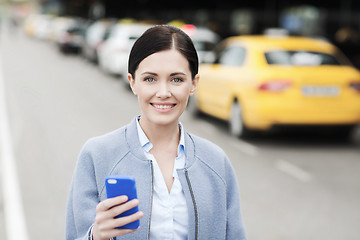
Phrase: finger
[119,222]
[110,224]
[111,202]
[117,210]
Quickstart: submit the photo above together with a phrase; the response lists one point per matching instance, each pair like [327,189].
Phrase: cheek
[141,97]
[143,94]
[182,94]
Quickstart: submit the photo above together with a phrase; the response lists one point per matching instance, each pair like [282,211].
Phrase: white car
[93,38]
[113,54]
[204,41]
[42,27]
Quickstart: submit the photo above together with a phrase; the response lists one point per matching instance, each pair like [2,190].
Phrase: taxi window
[203,45]
[233,56]
[300,58]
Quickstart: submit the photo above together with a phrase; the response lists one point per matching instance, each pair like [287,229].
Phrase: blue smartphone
[117,185]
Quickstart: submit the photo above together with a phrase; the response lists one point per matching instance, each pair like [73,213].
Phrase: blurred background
[62,81]
[337,21]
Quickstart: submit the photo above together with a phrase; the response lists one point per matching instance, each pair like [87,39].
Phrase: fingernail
[124,198]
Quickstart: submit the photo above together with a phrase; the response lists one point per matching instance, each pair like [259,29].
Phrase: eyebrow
[155,74]
[177,73]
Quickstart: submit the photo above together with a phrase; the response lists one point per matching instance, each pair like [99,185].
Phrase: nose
[163,90]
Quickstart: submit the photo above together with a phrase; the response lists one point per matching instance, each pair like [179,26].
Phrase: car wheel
[345,132]
[236,124]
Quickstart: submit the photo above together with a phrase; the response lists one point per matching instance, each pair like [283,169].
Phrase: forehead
[164,61]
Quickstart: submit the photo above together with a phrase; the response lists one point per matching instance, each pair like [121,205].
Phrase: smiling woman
[173,169]
[165,89]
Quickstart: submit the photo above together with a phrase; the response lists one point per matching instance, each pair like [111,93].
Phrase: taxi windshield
[301,58]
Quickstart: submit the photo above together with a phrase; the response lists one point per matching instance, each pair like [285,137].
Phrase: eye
[177,80]
[149,79]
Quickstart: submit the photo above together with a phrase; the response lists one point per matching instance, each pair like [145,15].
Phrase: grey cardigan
[208,181]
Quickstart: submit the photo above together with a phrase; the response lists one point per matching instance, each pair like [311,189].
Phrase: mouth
[163,107]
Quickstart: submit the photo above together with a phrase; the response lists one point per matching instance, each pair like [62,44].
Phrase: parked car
[69,35]
[29,24]
[94,36]
[204,41]
[259,82]
[42,27]
[113,53]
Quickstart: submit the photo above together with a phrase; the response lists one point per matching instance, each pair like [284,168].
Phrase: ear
[195,82]
[132,83]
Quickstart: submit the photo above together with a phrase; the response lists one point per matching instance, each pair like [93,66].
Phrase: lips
[163,106]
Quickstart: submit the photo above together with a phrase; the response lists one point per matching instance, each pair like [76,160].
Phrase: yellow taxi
[262,81]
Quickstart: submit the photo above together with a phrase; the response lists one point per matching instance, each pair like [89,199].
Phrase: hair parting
[161,38]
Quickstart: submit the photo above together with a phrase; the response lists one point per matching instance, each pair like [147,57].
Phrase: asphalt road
[293,186]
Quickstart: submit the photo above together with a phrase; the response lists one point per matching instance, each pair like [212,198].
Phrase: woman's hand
[105,221]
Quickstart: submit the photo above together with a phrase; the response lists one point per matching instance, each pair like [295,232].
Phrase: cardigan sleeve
[235,227]
[83,198]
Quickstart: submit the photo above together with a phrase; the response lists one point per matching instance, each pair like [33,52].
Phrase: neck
[161,134]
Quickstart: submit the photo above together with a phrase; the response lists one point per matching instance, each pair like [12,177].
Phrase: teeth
[163,106]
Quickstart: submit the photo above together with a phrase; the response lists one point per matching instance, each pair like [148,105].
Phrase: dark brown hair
[160,38]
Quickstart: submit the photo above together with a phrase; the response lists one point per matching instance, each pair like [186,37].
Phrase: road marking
[244,147]
[293,170]
[13,208]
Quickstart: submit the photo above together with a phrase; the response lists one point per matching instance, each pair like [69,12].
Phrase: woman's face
[163,84]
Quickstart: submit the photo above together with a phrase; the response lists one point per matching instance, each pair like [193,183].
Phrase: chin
[164,120]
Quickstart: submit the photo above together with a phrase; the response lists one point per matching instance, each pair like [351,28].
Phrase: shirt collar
[146,144]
